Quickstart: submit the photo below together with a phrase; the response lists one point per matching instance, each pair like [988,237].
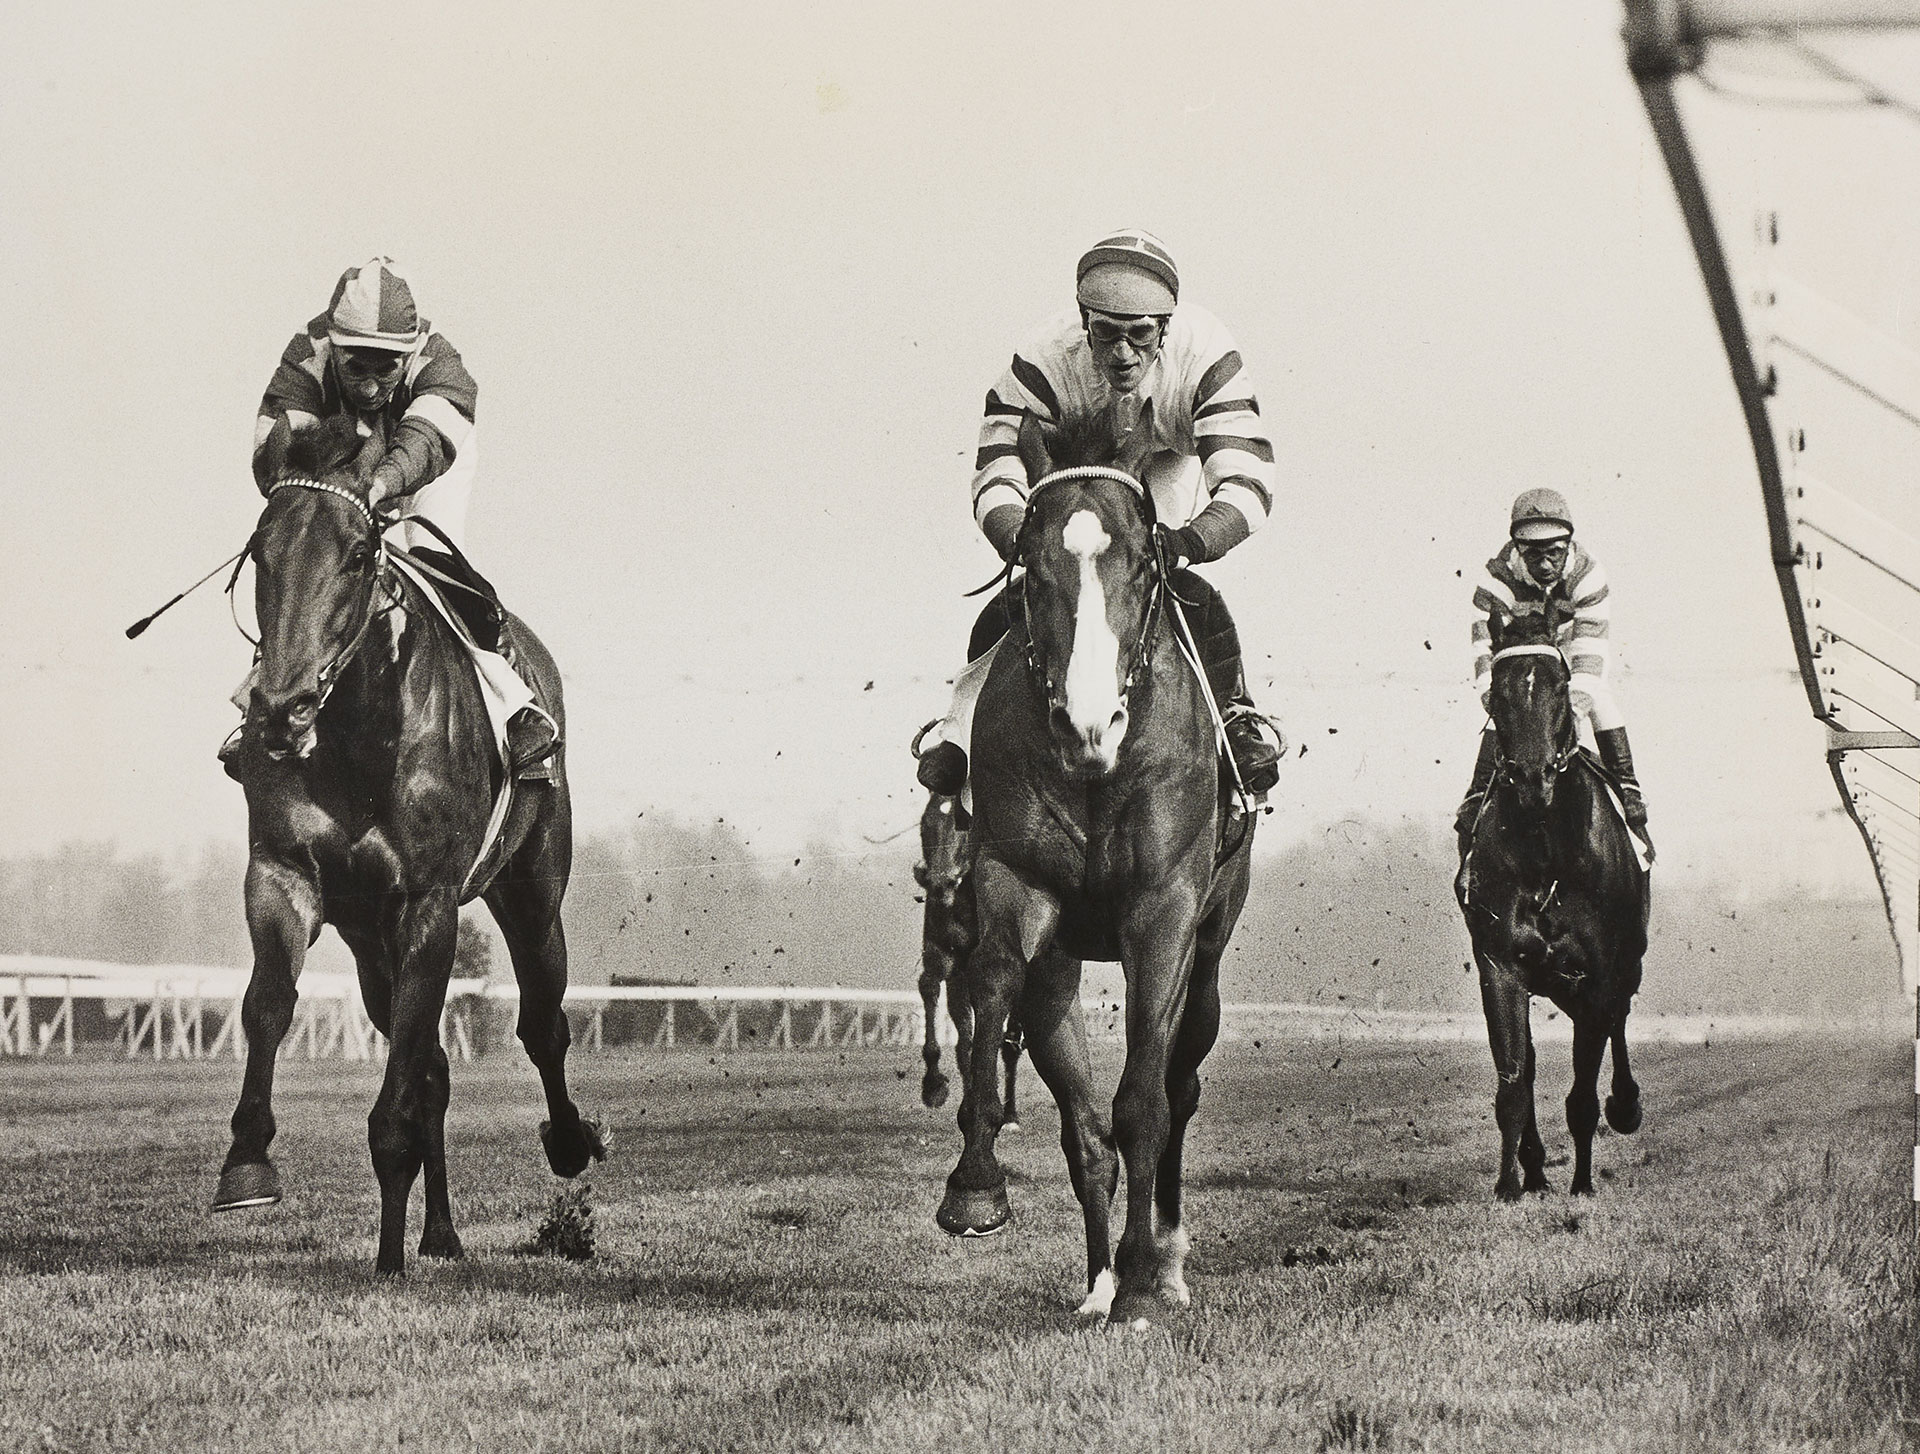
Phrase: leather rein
[329,674]
[1151,617]
[1570,749]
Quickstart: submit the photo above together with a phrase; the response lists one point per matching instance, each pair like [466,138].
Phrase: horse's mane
[1527,630]
[1088,440]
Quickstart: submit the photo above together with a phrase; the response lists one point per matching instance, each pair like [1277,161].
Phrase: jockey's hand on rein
[1182,546]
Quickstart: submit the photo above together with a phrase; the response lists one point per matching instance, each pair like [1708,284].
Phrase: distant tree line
[1359,913]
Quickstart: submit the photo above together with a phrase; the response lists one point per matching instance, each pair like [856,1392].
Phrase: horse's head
[943,851]
[1093,582]
[317,553]
[1532,710]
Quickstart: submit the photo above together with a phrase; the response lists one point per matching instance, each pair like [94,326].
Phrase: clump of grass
[567,1229]
[1349,1426]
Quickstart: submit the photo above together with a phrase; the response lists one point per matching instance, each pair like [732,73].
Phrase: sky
[734,279]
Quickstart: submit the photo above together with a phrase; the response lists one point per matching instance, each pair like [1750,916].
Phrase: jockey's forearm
[417,456]
[1219,528]
[1002,528]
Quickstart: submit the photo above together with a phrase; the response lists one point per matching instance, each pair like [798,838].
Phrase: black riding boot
[532,742]
[1219,643]
[1483,769]
[943,766]
[1618,760]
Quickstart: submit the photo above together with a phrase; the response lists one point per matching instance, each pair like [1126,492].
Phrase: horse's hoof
[1100,1298]
[1581,1189]
[1623,1116]
[966,1213]
[1009,1128]
[933,1092]
[569,1151]
[442,1244]
[250,1184]
[1508,1189]
[1139,1311]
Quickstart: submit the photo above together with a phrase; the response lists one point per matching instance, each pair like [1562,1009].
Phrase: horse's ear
[1038,441]
[270,460]
[1132,451]
[371,451]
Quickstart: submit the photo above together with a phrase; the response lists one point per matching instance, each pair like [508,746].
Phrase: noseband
[329,673]
[1035,667]
[1562,759]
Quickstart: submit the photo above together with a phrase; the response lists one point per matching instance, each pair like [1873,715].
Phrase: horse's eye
[357,558]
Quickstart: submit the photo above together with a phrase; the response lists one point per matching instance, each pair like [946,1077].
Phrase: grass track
[770,1275]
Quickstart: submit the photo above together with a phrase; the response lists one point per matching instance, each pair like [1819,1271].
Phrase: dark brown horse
[1557,905]
[369,772]
[947,938]
[1099,824]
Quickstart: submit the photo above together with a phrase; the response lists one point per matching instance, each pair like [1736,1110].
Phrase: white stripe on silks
[1246,502]
[1092,684]
[451,423]
[1000,492]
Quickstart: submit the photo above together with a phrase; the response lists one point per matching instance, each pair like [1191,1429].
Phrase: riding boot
[943,769]
[231,749]
[531,745]
[1219,641]
[1617,757]
[1483,769]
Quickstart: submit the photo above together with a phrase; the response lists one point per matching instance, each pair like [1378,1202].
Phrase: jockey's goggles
[1140,332]
[372,363]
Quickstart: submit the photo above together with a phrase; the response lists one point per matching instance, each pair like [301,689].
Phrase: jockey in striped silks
[1129,341]
[1544,571]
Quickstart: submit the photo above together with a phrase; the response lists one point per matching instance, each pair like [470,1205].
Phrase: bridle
[1150,618]
[329,674]
[1569,749]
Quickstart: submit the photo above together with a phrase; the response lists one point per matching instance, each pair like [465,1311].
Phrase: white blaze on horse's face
[1093,703]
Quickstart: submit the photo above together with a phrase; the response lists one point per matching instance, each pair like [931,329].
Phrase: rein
[1562,759]
[1159,588]
[329,674]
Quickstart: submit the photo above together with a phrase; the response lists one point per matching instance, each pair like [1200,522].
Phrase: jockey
[1542,570]
[1209,468]
[372,356]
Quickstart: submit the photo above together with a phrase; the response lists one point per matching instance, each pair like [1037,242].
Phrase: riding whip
[233,560]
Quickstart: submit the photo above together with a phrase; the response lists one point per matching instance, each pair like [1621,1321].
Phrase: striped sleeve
[999,478]
[1492,598]
[1231,439]
[296,392]
[437,424]
[1586,637]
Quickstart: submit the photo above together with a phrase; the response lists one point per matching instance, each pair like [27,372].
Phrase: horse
[369,767]
[1101,831]
[947,938]
[1556,904]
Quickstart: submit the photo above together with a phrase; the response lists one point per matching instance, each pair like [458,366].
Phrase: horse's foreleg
[1157,941]
[1199,1028]
[1533,1151]
[934,972]
[1056,1038]
[1623,1104]
[283,918]
[1504,1000]
[528,913]
[1016,923]
[405,1128]
[1583,1105]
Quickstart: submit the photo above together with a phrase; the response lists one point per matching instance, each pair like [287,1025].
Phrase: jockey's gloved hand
[1182,546]
[1002,529]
